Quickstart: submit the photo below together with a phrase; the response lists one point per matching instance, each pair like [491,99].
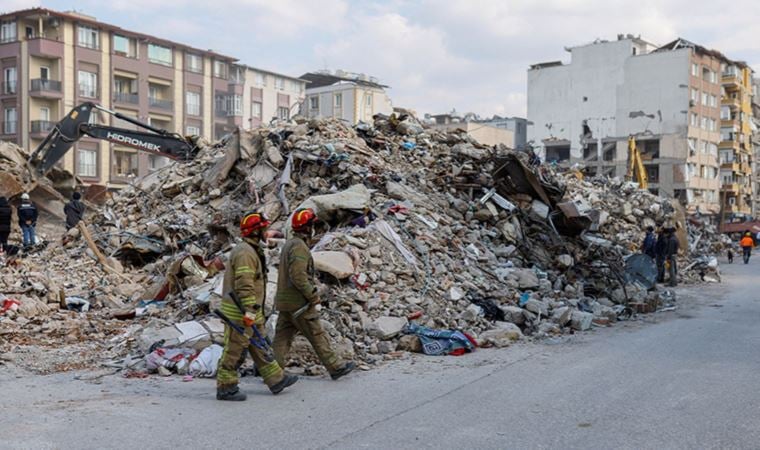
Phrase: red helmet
[253,222]
[302,218]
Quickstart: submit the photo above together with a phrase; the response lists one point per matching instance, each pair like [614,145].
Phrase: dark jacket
[6,212]
[27,212]
[74,210]
[648,247]
[671,245]
[659,247]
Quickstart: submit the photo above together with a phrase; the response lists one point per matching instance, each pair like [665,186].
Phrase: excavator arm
[77,124]
[636,165]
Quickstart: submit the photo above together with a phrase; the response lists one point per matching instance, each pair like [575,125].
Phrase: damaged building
[688,107]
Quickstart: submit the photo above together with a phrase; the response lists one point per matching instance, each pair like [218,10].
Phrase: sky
[436,55]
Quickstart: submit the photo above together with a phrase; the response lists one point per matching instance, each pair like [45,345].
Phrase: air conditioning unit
[54,22]
[692,103]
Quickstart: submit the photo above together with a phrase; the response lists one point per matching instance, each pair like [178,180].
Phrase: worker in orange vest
[746,243]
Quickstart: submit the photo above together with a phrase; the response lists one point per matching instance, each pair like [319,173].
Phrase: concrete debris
[416,224]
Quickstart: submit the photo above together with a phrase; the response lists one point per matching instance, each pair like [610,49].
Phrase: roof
[684,43]
[257,69]
[316,80]
[84,19]
[545,65]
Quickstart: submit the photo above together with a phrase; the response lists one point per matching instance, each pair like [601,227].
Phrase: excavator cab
[77,124]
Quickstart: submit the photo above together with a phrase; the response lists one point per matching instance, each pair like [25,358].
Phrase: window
[694,95]
[703,147]
[124,164]
[234,105]
[712,125]
[694,120]
[725,113]
[338,100]
[124,46]
[283,113]
[9,122]
[45,113]
[193,103]
[159,54]
[261,79]
[156,162]
[705,99]
[29,33]
[9,75]
[369,100]
[191,130]
[694,70]
[256,110]
[713,101]
[44,73]
[704,123]
[220,69]
[87,163]
[314,102]
[88,84]
[88,37]
[278,83]
[194,63]
[7,31]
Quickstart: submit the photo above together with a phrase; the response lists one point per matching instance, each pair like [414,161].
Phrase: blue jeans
[28,231]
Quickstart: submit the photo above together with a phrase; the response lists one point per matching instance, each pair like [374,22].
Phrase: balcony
[126,97]
[45,47]
[41,128]
[733,166]
[9,88]
[730,187]
[732,122]
[160,103]
[41,87]
[731,101]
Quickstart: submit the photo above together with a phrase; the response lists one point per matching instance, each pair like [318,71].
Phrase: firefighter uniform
[245,275]
[296,288]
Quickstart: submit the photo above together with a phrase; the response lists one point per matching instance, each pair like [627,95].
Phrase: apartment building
[482,131]
[269,96]
[671,98]
[52,61]
[352,97]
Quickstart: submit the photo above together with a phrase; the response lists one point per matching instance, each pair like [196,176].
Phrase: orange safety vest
[747,241]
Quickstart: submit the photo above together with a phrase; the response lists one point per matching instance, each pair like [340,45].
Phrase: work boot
[232,394]
[288,380]
[345,370]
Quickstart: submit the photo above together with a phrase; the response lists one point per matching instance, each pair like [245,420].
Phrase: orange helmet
[253,222]
[302,218]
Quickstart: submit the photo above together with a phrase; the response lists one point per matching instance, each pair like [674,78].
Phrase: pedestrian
[671,254]
[648,247]
[27,219]
[659,250]
[746,243]
[6,214]
[730,255]
[74,211]
[246,276]
[295,290]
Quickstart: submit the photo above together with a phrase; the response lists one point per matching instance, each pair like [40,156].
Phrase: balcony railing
[42,126]
[126,97]
[9,87]
[160,103]
[9,127]
[41,84]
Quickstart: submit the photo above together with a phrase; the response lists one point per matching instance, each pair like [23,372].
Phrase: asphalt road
[683,379]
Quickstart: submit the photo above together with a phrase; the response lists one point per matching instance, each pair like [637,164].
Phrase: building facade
[517,125]
[269,96]
[51,62]
[482,131]
[671,99]
[351,97]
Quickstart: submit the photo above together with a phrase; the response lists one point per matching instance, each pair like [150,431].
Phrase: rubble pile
[418,227]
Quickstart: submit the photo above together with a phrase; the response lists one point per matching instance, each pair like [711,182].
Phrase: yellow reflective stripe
[249,298]
[243,270]
[270,370]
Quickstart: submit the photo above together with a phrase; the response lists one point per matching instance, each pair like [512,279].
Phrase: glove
[249,319]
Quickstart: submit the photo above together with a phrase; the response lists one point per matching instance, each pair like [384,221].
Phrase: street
[682,379]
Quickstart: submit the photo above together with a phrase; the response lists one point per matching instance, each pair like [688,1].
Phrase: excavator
[77,124]
[636,165]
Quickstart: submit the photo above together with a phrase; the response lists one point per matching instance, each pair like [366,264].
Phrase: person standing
[27,219]
[246,276]
[74,211]
[659,251]
[6,215]
[295,290]
[746,243]
[671,254]
[649,244]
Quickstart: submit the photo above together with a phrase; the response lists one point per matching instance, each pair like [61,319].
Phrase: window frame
[156,60]
[191,68]
[80,161]
[8,31]
[188,103]
[7,80]
[314,102]
[6,121]
[80,83]
[94,35]
[260,113]
[189,133]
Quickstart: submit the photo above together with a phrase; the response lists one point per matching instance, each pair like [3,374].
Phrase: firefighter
[246,276]
[296,289]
